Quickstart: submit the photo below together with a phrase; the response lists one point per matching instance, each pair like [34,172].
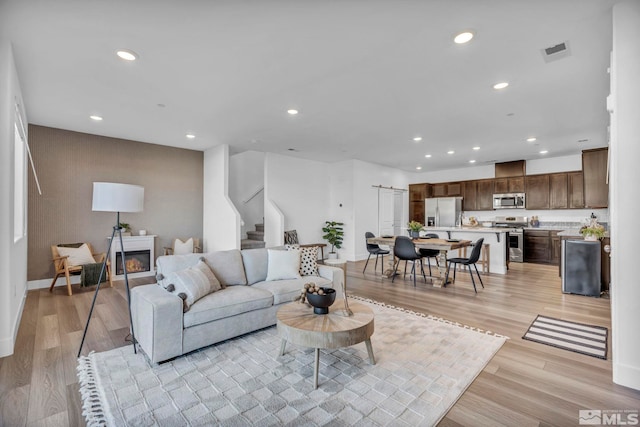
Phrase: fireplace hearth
[135,261]
[139,256]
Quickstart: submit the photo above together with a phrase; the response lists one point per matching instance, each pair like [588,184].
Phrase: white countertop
[469,229]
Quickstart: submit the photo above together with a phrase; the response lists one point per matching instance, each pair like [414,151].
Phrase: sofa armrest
[157,321]
[335,274]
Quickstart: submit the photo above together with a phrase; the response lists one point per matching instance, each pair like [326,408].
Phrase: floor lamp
[114,197]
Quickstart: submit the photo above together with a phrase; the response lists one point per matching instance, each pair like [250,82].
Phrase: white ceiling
[367,75]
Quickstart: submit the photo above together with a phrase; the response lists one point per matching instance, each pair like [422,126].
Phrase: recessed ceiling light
[427,155]
[190,135]
[532,139]
[472,161]
[292,112]
[544,151]
[476,148]
[463,37]
[418,167]
[96,118]
[450,152]
[127,55]
[500,85]
[417,139]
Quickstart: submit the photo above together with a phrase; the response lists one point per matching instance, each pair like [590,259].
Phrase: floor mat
[578,337]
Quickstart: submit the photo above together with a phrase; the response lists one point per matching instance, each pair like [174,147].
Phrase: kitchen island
[494,236]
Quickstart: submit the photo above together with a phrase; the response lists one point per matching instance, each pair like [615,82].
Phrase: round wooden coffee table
[299,325]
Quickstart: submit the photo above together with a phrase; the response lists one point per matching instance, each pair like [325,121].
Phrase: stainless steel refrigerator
[580,268]
[443,211]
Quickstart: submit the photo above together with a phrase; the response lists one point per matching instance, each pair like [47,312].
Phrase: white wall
[299,189]
[342,206]
[246,176]
[625,174]
[366,175]
[220,219]
[13,255]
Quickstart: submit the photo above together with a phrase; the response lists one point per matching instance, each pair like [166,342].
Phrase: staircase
[255,239]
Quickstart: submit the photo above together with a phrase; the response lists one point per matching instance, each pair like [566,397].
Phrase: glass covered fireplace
[135,261]
[139,256]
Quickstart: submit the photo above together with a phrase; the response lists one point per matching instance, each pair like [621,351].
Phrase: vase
[414,234]
[590,237]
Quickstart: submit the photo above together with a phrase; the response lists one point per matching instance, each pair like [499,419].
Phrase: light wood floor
[526,384]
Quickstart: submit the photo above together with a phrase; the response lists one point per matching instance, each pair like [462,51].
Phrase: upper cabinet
[537,191]
[576,190]
[509,185]
[594,170]
[447,189]
[470,195]
[558,190]
[418,192]
[484,197]
[510,169]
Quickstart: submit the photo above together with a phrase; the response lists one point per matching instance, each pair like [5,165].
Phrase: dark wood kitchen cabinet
[537,246]
[454,189]
[417,194]
[594,169]
[484,194]
[439,190]
[470,195]
[558,191]
[509,185]
[576,190]
[537,191]
[556,247]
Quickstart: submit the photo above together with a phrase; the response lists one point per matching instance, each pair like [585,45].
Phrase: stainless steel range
[516,238]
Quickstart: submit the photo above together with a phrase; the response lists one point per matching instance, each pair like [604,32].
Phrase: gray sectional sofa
[246,303]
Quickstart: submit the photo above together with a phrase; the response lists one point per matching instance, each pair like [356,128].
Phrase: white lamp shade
[114,197]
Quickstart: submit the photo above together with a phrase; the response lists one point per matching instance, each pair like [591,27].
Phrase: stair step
[259,227]
[255,235]
[251,244]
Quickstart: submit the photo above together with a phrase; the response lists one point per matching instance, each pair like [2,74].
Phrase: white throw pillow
[183,248]
[195,282]
[283,264]
[77,256]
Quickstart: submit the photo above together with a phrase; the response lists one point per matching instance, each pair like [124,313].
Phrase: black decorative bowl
[321,303]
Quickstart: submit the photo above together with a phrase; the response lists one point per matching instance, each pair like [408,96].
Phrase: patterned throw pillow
[309,261]
[192,283]
[291,237]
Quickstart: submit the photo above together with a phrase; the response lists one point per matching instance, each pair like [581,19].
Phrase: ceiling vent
[553,53]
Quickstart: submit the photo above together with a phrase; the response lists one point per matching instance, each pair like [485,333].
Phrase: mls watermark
[608,417]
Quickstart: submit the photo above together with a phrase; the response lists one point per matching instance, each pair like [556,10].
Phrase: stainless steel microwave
[508,201]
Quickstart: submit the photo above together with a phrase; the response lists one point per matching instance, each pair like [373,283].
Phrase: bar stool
[485,257]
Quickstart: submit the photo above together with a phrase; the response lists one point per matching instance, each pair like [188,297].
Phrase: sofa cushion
[169,263]
[255,264]
[194,282]
[227,266]
[309,261]
[226,303]
[283,264]
[288,290]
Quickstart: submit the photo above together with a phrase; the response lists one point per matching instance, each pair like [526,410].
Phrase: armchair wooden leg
[53,283]
[109,275]
[69,291]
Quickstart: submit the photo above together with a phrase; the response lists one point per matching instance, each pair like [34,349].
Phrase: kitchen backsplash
[548,218]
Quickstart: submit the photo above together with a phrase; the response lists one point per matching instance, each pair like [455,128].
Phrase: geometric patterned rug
[423,365]
[577,337]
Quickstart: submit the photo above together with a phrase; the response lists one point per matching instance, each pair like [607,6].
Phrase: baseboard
[45,283]
[625,375]
[7,345]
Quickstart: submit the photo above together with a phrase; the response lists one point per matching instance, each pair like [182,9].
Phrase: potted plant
[333,234]
[414,228]
[592,231]
[126,229]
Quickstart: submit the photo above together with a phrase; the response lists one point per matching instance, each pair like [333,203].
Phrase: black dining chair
[472,260]
[405,250]
[376,250]
[430,253]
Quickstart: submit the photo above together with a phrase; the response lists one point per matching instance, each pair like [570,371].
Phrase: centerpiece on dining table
[414,228]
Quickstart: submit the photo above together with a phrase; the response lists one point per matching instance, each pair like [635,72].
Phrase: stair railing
[254,194]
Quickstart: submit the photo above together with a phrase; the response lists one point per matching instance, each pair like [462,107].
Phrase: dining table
[441,245]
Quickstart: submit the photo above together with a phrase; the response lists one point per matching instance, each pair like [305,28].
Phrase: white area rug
[423,365]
